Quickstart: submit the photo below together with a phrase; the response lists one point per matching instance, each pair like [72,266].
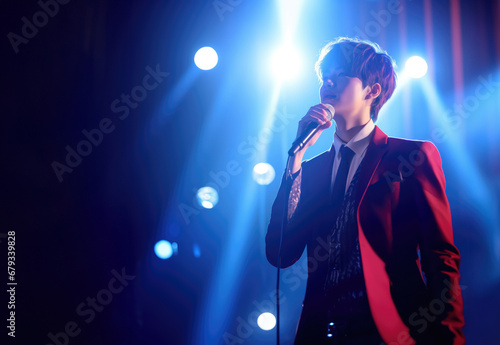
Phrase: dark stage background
[85,267]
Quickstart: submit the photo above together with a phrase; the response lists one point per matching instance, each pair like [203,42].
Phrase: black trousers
[317,327]
[373,339]
[340,338]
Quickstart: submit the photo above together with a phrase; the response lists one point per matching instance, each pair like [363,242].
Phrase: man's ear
[373,91]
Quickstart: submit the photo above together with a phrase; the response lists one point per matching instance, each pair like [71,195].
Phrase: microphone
[309,132]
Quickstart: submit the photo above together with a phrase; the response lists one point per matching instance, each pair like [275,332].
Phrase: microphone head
[330,111]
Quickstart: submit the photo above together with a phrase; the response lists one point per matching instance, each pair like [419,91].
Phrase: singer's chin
[328,100]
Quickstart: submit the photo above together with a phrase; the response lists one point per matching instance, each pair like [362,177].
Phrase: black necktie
[339,186]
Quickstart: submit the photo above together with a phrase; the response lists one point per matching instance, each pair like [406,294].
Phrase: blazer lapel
[324,179]
[374,153]
[378,285]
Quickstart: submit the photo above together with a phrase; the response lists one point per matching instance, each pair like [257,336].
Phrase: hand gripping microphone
[309,132]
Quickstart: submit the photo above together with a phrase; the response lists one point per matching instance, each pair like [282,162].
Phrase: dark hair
[364,60]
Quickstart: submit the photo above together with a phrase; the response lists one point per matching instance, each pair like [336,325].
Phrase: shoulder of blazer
[407,146]
[411,158]
[319,160]
[382,140]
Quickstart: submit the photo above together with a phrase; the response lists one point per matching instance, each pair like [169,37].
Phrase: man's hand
[319,114]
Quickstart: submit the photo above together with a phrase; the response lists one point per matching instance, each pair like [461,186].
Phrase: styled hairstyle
[362,59]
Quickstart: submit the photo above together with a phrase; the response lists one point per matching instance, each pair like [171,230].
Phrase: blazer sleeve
[440,258]
[294,242]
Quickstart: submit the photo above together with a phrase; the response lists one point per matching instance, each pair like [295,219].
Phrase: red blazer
[410,263]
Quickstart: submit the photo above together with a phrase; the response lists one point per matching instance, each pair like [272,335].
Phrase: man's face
[346,94]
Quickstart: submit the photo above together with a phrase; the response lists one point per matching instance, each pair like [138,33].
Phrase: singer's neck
[347,130]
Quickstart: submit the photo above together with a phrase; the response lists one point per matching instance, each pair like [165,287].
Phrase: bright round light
[207,197]
[163,249]
[196,250]
[266,321]
[263,173]
[416,67]
[286,64]
[206,58]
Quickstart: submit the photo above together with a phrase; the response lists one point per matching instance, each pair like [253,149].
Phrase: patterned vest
[344,286]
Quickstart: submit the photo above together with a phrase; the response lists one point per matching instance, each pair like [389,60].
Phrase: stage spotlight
[164,249]
[196,250]
[286,64]
[206,58]
[263,173]
[416,67]
[266,321]
[207,197]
